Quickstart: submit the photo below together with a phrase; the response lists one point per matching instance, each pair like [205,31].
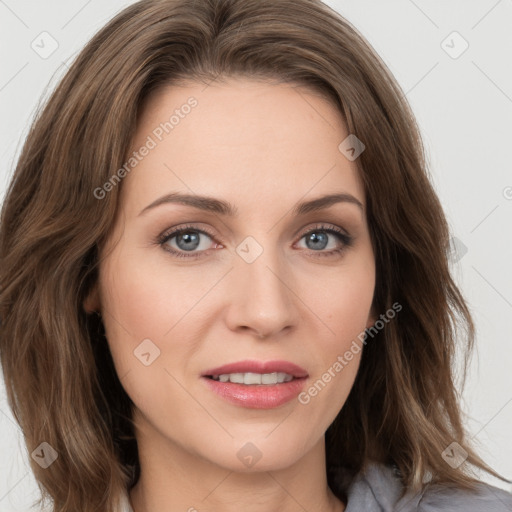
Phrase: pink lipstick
[256,384]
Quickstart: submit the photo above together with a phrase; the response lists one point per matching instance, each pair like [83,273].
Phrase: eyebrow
[213,205]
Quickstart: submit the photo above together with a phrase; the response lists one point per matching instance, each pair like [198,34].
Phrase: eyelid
[177,229]
[322,226]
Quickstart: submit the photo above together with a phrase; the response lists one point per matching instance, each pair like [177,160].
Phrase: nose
[261,297]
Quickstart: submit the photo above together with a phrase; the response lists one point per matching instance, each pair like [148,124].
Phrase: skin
[263,147]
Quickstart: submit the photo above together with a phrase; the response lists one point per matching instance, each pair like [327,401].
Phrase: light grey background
[463,104]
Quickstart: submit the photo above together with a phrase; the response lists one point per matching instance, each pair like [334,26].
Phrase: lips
[257,396]
[249,366]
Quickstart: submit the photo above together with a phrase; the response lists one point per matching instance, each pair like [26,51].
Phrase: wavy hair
[60,379]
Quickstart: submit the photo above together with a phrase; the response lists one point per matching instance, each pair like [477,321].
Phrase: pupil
[188,237]
[315,239]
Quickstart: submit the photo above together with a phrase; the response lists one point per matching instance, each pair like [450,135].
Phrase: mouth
[255,384]
[253,379]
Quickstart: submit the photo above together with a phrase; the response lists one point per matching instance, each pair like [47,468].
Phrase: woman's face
[267,282]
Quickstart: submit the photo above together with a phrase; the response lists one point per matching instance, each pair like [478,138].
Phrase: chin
[258,454]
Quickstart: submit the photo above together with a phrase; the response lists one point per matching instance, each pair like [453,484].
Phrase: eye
[317,239]
[187,239]
[192,242]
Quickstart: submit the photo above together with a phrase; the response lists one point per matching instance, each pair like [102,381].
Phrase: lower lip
[257,396]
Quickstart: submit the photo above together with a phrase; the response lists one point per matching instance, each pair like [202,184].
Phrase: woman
[224,275]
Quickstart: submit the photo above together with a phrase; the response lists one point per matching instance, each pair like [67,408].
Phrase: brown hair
[60,379]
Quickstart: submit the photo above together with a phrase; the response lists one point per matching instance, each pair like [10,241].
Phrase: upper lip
[251,366]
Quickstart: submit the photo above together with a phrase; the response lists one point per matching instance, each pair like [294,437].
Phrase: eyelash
[346,240]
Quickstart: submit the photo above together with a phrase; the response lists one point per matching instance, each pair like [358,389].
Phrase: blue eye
[317,240]
[187,239]
[191,242]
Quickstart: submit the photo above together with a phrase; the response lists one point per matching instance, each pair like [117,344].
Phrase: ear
[91,303]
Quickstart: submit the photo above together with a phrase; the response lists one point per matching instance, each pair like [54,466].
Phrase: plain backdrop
[453,60]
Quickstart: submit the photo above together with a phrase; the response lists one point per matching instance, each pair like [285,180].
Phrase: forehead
[243,140]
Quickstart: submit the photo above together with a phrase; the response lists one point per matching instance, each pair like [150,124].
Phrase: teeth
[254,378]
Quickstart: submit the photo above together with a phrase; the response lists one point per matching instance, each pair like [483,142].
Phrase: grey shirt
[377,489]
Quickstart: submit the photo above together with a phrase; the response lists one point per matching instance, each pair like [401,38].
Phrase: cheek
[344,303]
[148,299]
[142,303]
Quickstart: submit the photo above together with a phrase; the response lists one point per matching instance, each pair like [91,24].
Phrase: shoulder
[378,487]
[485,498]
